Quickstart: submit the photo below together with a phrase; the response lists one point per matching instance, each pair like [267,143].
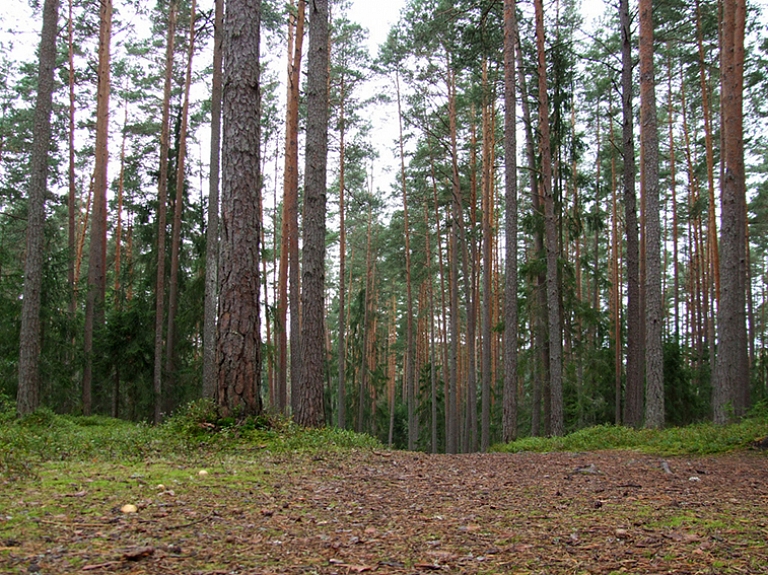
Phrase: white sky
[19,29]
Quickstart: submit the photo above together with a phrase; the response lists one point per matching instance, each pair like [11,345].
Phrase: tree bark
[72,196]
[342,386]
[509,417]
[409,349]
[210,366]
[97,256]
[173,283]
[654,353]
[310,411]
[557,425]
[538,309]
[28,393]
[731,379]
[162,206]
[289,259]
[239,336]
[633,402]
[487,213]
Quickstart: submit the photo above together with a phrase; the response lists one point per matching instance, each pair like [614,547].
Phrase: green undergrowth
[698,439]
[196,433]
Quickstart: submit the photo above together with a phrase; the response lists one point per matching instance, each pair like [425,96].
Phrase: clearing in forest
[372,510]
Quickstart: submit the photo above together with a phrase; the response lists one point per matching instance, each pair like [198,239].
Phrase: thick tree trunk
[731,378]
[239,336]
[509,417]
[633,402]
[28,394]
[309,405]
[97,257]
[654,353]
[210,366]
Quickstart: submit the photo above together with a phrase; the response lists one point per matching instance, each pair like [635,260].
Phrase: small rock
[590,469]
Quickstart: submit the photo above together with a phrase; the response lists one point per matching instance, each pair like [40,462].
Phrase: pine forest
[508,219]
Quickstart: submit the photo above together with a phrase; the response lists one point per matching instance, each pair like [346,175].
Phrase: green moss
[698,439]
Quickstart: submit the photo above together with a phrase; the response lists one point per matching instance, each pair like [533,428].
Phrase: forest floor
[393,512]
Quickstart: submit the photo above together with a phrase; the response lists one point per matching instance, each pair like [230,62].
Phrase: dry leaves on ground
[404,513]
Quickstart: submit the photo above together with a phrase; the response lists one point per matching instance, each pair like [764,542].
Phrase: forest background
[415,303]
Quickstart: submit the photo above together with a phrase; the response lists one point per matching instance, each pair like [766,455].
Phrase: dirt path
[596,513]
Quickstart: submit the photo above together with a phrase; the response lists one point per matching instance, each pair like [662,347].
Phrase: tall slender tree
[408,357]
[731,379]
[28,394]
[210,376]
[633,405]
[310,411]
[162,204]
[288,275]
[557,426]
[654,360]
[178,207]
[97,256]
[239,335]
[509,425]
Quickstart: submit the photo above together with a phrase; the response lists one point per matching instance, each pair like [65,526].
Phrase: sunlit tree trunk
[28,393]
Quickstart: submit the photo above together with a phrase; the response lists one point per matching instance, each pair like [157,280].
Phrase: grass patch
[698,439]
[195,434]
